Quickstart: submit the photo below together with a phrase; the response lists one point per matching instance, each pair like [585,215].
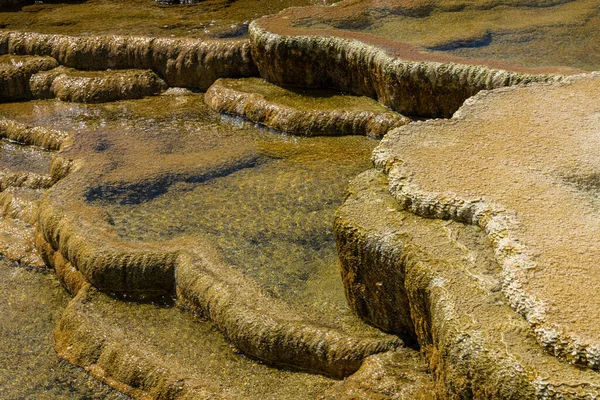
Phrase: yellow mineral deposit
[201,236]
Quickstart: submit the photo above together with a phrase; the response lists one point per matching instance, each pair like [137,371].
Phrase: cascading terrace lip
[477,345]
[78,240]
[406,78]
[180,62]
[515,251]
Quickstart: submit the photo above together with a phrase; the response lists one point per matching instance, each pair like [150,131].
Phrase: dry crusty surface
[447,276]
[522,163]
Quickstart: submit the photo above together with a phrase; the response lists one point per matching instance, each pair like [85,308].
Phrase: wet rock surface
[441,280]
[142,205]
[33,301]
[266,321]
[15,72]
[537,205]
[161,351]
[305,113]
[312,47]
[67,84]
[181,62]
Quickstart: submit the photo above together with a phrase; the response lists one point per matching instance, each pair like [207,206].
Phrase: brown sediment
[537,204]
[402,374]
[16,242]
[254,322]
[19,203]
[81,338]
[31,306]
[265,328]
[180,62]
[15,72]
[21,186]
[476,345]
[80,241]
[400,75]
[202,20]
[67,84]
[50,139]
[29,180]
[307,113]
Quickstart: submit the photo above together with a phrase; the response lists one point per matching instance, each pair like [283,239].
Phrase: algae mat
[206,19]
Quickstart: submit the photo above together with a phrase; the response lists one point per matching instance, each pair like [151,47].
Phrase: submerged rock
[25,174]
[306,113]
[180,62]
[440,280]
[528,176]
[31,306]
[95,87]
[15,72]
[138,158]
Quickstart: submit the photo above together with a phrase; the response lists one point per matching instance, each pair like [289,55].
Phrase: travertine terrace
[199,246]
[534,193]
[306,113]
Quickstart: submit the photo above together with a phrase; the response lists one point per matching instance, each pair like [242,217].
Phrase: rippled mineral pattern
[250,199]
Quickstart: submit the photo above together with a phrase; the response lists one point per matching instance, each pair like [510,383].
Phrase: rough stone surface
[50,139]
[80,241]
[95,87]
[22,183]
[32,304]
[180,62]
[528,176]
[15,72]
[476,344]
[152,351]
[397,375]
[306,113]
[404,80]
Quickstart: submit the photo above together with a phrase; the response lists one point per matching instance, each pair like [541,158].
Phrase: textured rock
[528,176]
[16,243]
[288,49]
[398,375]
[19,203]
[81,337]
[476,345]
[49,139]
[15,72]
[272,332]
[180,62]
[95,87]
[303,113]
[32,304]
[24,176]
[80,240]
